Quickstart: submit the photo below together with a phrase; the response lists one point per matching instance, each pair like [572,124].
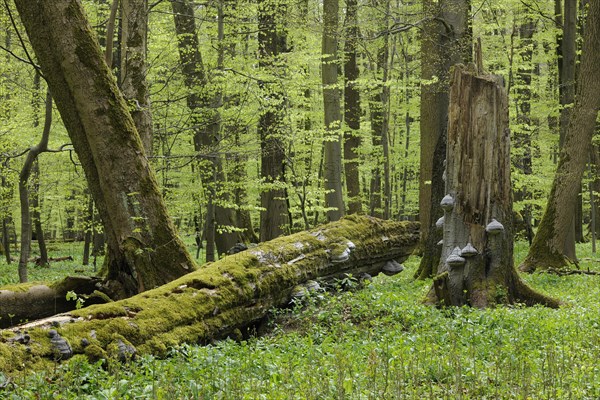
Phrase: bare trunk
[274,220]
[332,163]
[134,48]
[26,229]
[352,109]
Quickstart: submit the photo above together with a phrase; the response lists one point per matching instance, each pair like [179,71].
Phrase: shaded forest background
[256,71]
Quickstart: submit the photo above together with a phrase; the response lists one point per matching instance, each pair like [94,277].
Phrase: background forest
[267,118]
[267,105]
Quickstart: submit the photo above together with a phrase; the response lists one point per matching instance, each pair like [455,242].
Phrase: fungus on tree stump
[476,265]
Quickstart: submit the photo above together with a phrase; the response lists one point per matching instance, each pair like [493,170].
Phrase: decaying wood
[476,266]
[217,300]
[27,302]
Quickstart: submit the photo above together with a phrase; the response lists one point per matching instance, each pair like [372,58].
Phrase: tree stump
[476,266]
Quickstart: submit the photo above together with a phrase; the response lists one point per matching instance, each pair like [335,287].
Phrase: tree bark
[352,109]
[476,265]
[274,219]
[332,163]
[26,220]
[144,250]
[206,124]
[446,41]
[134,48]
[226,296]
[548,249]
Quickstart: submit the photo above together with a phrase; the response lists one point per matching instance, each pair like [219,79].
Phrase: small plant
[72,296]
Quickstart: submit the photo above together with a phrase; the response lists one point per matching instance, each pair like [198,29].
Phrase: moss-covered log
[217,300]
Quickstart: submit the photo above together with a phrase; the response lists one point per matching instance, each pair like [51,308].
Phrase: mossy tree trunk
[547,251]
[476,266]
[144,250]
[226,296]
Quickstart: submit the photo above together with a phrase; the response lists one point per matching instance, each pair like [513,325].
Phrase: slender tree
[332,163]
[274,208]
[204,100]
[352,108]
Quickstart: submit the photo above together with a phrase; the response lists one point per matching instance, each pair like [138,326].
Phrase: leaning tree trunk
[144,250]
[219,300]
[548,249]
[476,265]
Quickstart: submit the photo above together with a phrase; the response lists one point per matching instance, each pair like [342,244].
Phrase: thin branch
[19,58]
[14,25]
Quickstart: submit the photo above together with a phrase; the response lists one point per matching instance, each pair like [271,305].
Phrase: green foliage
[379,342]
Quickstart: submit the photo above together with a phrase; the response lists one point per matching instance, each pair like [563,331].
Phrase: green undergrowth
[376,343]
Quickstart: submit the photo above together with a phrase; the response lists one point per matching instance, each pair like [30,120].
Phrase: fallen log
[31,301]
[215,301]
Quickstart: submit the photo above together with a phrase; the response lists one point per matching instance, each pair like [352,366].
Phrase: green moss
[22,287]
[95,353]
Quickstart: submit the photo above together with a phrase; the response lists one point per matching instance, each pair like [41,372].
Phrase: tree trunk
[26,220]
[274,219]
[134,48]
[144,250]
[206,124]
[476,265]
[567,62]
[446,41]
[548,249]
[352,109]
[35,214]
[523,131]
[226,296]
[332,163]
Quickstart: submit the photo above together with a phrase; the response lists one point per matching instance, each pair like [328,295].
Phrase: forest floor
[379,342]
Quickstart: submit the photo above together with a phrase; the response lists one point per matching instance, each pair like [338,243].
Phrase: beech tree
[547,251]
[332,163]
[445,42]
[144,250]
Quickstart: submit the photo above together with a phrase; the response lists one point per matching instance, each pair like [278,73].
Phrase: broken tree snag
[476,265]
[221,298]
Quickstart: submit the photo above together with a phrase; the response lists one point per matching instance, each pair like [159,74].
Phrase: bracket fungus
[468,251]
[494,227]
[447,203]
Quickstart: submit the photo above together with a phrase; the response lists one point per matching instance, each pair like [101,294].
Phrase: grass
[376,343]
